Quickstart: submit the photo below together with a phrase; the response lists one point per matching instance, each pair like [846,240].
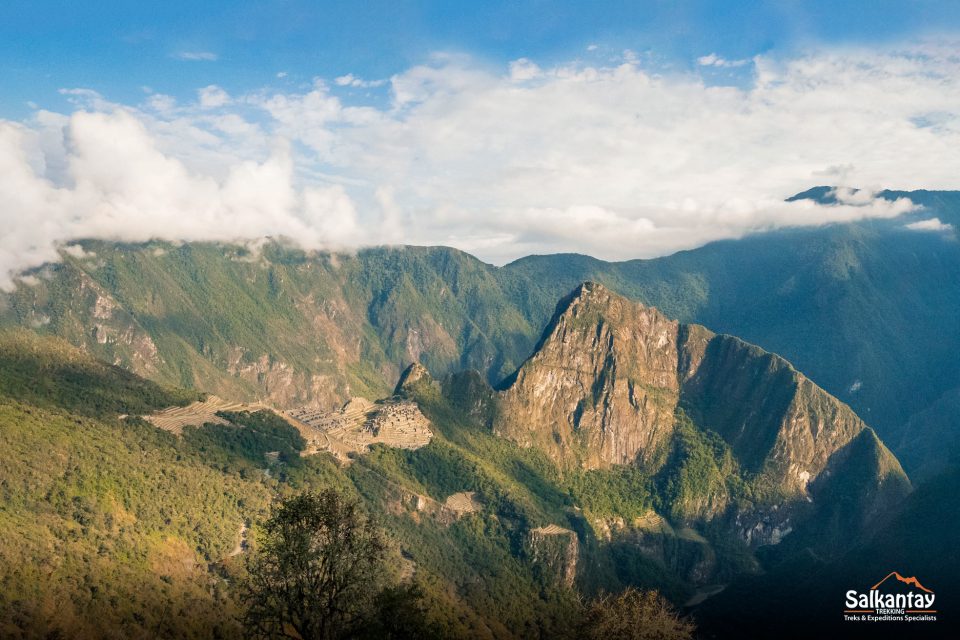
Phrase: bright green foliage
[625,492]
[698,472]
[107,528]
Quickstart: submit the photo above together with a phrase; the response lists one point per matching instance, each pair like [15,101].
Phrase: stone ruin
[361,423]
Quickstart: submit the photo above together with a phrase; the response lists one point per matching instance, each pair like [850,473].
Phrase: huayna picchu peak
[610,376]
[614,382]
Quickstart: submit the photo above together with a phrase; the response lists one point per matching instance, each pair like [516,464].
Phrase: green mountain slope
[106,526]
[278,324]
[135,529]
[113,528]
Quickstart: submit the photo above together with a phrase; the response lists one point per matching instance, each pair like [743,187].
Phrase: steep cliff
[601,387]
[611,379]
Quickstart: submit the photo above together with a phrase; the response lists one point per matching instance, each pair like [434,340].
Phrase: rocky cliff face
[610,376]
[554,551]
[601,387]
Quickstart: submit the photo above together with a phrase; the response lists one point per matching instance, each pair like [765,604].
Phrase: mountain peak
[414,375]
[587,288]
[610,377]
[592,293]
[585,292]
[588,380]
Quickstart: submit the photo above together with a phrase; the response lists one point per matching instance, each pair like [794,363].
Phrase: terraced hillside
[197,414]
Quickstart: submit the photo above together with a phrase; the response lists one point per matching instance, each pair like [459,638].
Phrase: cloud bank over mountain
[619,160]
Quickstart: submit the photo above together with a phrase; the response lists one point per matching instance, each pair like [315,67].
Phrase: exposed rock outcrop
[361,423]
[554,551]
[601,387]
[609,375]
[413,377]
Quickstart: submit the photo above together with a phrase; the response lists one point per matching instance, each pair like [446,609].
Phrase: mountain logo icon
[912,581]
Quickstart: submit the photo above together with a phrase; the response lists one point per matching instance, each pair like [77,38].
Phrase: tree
[635,615]
[318,571]
[401,615]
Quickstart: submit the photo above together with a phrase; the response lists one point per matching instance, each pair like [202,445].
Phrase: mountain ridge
[533,536]
[855,306]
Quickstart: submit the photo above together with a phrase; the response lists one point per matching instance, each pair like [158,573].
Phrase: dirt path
[241,542]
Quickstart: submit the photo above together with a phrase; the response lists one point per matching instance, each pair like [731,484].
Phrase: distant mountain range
[867,310]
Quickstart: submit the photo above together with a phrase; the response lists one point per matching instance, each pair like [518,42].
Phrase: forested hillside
[115,528]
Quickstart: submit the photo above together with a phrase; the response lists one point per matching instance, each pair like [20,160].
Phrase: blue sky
[118,47]
[616,129]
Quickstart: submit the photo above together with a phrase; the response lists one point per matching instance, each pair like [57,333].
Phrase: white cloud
[78,252]
[932,224]
[351,80]
[523,69]
[616,161]
[196,56]
[124,187]
[161,103]
[212,97]
[713,60]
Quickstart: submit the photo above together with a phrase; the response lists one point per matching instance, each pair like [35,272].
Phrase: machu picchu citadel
[361,423]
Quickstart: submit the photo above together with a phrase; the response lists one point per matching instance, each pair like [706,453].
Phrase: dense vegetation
[113,528]
[52,373]
[247,442]
[107,528]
